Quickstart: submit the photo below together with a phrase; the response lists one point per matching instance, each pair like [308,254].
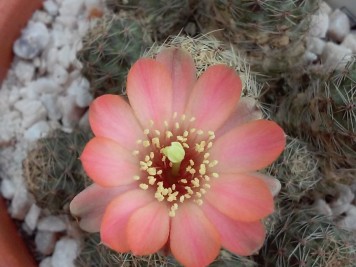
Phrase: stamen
[215,175]
[202,169]
[151,171]
[144,186]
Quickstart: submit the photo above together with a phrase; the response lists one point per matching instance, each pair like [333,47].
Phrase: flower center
[176,164]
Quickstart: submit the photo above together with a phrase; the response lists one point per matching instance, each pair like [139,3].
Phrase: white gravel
[43,91]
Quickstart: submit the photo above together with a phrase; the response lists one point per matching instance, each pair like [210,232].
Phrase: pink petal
[242,238]
[214,97]
[148,229]
[107,163]
[116,217]
[182,71]
[250,147]
[91,203]
[273,184]
[245,111]
[149,88]
[111,117]
[194,241]
[242,197]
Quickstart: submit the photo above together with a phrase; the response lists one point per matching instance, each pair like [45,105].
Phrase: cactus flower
[176,169]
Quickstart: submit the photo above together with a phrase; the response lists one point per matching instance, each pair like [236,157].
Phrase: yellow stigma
[175,153]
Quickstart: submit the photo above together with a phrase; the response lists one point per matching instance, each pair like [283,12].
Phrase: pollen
[144,186]
[146,143]
[152,171]
[176,162]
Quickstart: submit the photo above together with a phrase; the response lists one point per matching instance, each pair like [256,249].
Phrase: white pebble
[32,111]
[321,207]
[310,57]
[325,8]
[335,56]
[51,223]
[32,217]
[71,114]
[71,8]
[350,42]
[339,26]
[66,55]
[24,71]
[51,7]
[36,131]
[7,188]
[46,262]
[41,16]
[343,201]
[50,103]
[59,74]
[46,85]
[10,124]
[45,242]
[33,40]
[349,221]
[80,89]
[65,252]
[21,203]
[315,45]
[319,25]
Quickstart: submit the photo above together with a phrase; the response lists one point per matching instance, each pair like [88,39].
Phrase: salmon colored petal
[245,111]
[107,163]
[90,204]
[148,229]
[182,71]
[114,225]
[249,147]
[214,97]
[111,116]
[149,88]
[273,184]
[242,197]
[241,238]
[194,241]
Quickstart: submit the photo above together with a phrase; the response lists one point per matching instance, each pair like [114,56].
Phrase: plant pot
[14,16]
[13,251]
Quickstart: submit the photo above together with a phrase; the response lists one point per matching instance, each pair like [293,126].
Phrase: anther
[146,131]
[151,180]
[151,171]
[144,186]
[136,177]
[199,201]
[202,169]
